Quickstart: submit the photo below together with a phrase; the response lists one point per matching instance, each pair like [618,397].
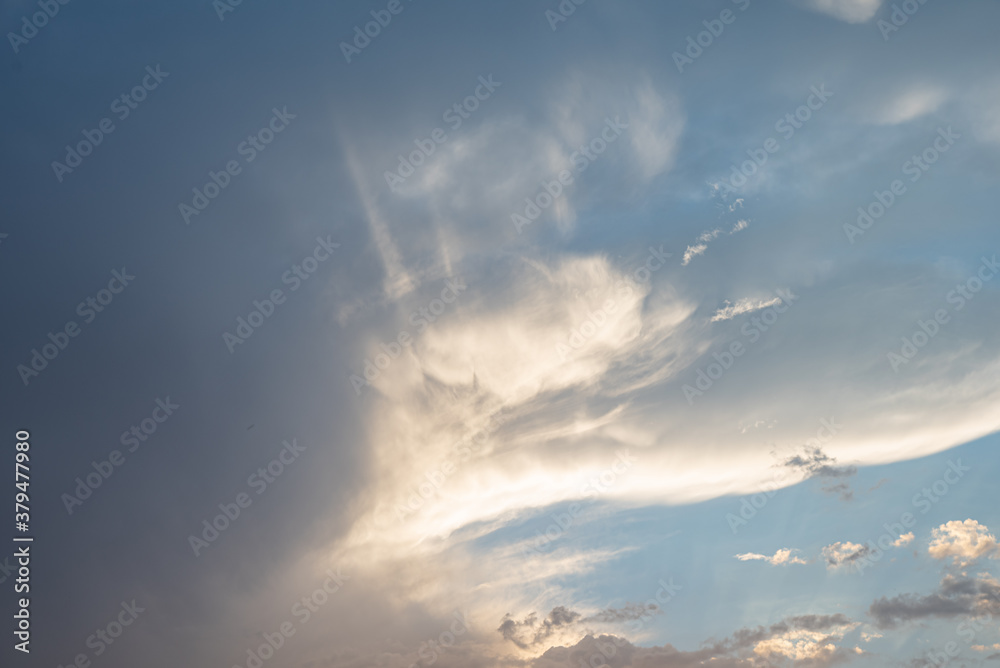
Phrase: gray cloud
[956,596]
[529,632]
[814,463]
[732,652]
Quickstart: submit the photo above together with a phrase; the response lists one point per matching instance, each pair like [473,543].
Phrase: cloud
[814,463]
[811,638]
[910,104]
[745,305]
[904,539]
[983,108]
[844,554]
[655,129]
[708,236]
[851,11]
[964,542]
[693,251]
[798,645]
[782,557]
[955,596]
[530,632]
[627,613]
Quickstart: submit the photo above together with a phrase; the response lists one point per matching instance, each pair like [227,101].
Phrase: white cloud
[692,252]
[964,541]
[904,539]
[782,557]
[804,644]
[707,237]
[844,554]
[742,306]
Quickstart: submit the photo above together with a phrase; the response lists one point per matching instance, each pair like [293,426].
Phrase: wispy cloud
[742,306]
[782,557]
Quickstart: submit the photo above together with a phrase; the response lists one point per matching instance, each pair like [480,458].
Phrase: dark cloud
[817,464]
[529,632]
[629,612]
[956,596]
[814,463]
[842,554]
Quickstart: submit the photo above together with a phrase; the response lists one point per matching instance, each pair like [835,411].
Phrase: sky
[502,335]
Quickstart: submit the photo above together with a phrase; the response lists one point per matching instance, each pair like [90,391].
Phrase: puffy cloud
[844,554]
[986,648]
[812,638]
[530,632]
[964,542]
[904,539]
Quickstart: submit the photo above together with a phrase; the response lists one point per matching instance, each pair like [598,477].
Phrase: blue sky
[489,274]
